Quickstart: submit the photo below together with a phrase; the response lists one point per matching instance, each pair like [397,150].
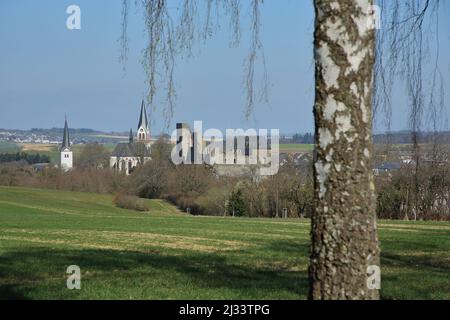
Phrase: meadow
[167,254]
[296,147]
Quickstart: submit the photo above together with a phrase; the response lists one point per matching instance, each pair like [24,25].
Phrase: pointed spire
[131,136]
[143,121]
[66,138]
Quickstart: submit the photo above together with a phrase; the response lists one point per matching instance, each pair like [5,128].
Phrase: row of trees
[23,156]
[307,138]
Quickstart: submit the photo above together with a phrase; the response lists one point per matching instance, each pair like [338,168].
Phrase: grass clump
[130,202]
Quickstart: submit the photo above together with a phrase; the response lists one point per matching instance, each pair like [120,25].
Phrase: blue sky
[47,71]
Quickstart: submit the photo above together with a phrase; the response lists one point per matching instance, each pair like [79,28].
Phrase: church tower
[66,152]
[143,131]
[130,139]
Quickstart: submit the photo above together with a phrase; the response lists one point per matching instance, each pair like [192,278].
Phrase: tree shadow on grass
[291,247]
[416,276]
[36,268]
[11,292]
[426,263]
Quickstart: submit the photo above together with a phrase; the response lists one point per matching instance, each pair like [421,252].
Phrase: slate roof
[66,138]
[143,121]
[135,149]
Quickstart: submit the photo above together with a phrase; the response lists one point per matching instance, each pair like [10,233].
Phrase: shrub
[213,201]
[130,202]
[389,203]
[236,203]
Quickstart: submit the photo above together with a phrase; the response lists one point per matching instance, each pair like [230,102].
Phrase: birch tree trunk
[344,250]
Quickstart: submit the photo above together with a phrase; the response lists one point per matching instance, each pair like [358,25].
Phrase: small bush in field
[130,202]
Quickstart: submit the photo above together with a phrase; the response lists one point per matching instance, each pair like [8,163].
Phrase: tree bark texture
[344,246]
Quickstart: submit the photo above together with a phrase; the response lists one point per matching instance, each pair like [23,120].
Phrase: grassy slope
[166,254]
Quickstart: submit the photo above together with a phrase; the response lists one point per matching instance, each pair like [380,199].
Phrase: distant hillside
[396,137]
[84,135]
[73,131]
[405,137]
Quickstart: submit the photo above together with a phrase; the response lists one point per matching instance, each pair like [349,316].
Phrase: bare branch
[169,39]
[123,40]
[255,48]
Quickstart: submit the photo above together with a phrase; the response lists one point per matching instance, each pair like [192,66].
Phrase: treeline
[23,156]
[305,138]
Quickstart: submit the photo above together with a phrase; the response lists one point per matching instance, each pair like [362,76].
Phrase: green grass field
[296,147]
[165,254]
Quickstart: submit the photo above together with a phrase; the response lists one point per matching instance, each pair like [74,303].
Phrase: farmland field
[9,147]
[165,254]
[296,147]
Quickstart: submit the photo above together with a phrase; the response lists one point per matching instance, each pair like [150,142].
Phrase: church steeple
[66,154]
[66,138]
[130,139]
[143,122]
[143,133]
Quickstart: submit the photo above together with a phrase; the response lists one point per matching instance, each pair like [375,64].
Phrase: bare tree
[93,155]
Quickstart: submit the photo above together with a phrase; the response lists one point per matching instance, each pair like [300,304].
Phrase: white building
[127,156]
[66,162]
